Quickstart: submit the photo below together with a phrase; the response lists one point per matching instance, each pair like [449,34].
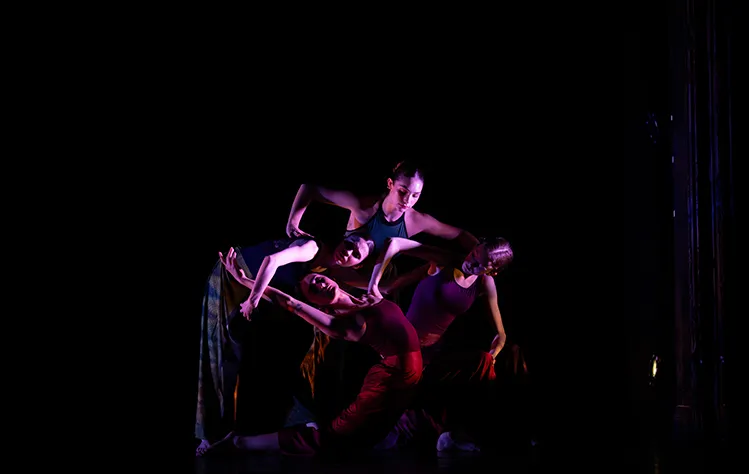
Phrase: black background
[535,132]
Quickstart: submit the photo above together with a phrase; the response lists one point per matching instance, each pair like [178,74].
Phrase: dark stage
[560,154]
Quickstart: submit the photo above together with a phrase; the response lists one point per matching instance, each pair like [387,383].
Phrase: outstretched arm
[349,328]
[492,301]
[296,253]
[426,223]
[402,281]
[310,192]
[396,245]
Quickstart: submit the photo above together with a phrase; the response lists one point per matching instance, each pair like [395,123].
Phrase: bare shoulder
[417,217]
[488,284]
[414,214]
[417,222]
[368,205]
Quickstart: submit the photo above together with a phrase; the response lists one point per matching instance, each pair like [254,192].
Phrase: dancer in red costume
[388,387]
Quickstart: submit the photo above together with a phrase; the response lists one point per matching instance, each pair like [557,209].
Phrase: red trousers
[460,389]
[454,392]
[388,389]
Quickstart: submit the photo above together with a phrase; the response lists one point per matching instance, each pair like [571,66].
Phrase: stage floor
[538,459]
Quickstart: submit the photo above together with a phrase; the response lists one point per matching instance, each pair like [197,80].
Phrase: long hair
[316,353]
[314,357]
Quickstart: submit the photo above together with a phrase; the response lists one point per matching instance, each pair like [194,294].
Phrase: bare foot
[446,442]
[207,448]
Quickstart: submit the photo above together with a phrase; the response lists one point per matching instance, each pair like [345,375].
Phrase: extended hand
[246,308]
[375,293]
[294,231]
[230,263]
[371,298]
[497,344]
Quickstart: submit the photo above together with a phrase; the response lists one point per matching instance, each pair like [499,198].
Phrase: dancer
[454,283]
[230,344]
[452,379]
[387,388]
[381,216]
[391,215]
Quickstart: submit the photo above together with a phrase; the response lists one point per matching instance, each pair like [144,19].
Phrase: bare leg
[263,442]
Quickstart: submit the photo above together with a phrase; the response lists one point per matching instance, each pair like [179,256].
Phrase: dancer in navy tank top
[381,217]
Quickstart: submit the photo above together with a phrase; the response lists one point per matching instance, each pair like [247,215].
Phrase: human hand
[230,263]
[497,344]
[247,307]
[293,231]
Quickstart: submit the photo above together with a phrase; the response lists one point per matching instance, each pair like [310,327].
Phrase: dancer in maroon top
[387,389]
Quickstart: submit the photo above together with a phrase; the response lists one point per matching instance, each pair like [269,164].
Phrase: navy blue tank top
[379,228]
[286,277]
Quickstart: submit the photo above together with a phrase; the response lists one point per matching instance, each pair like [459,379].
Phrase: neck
[344,301]
[390,209]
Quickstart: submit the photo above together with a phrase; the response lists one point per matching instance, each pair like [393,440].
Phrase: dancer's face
[351,251]
[405,191]
[319,289]
[478,262]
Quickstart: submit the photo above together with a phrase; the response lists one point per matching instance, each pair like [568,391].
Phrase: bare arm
[357,280]
[396,245]
[350,328]
[407,279]
[310,192]
[230,264]
[271,263]
[430,225]
[492,301]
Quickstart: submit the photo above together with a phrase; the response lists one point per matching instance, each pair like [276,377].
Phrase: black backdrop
[545,144]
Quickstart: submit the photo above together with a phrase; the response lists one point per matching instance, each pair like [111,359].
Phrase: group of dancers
[271,310]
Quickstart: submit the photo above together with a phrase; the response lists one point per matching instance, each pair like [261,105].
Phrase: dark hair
[407,169]
[316,352]
[366,237]
[314,357]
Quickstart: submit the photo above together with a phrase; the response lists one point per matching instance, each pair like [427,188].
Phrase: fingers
[231,256]
[296,232]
